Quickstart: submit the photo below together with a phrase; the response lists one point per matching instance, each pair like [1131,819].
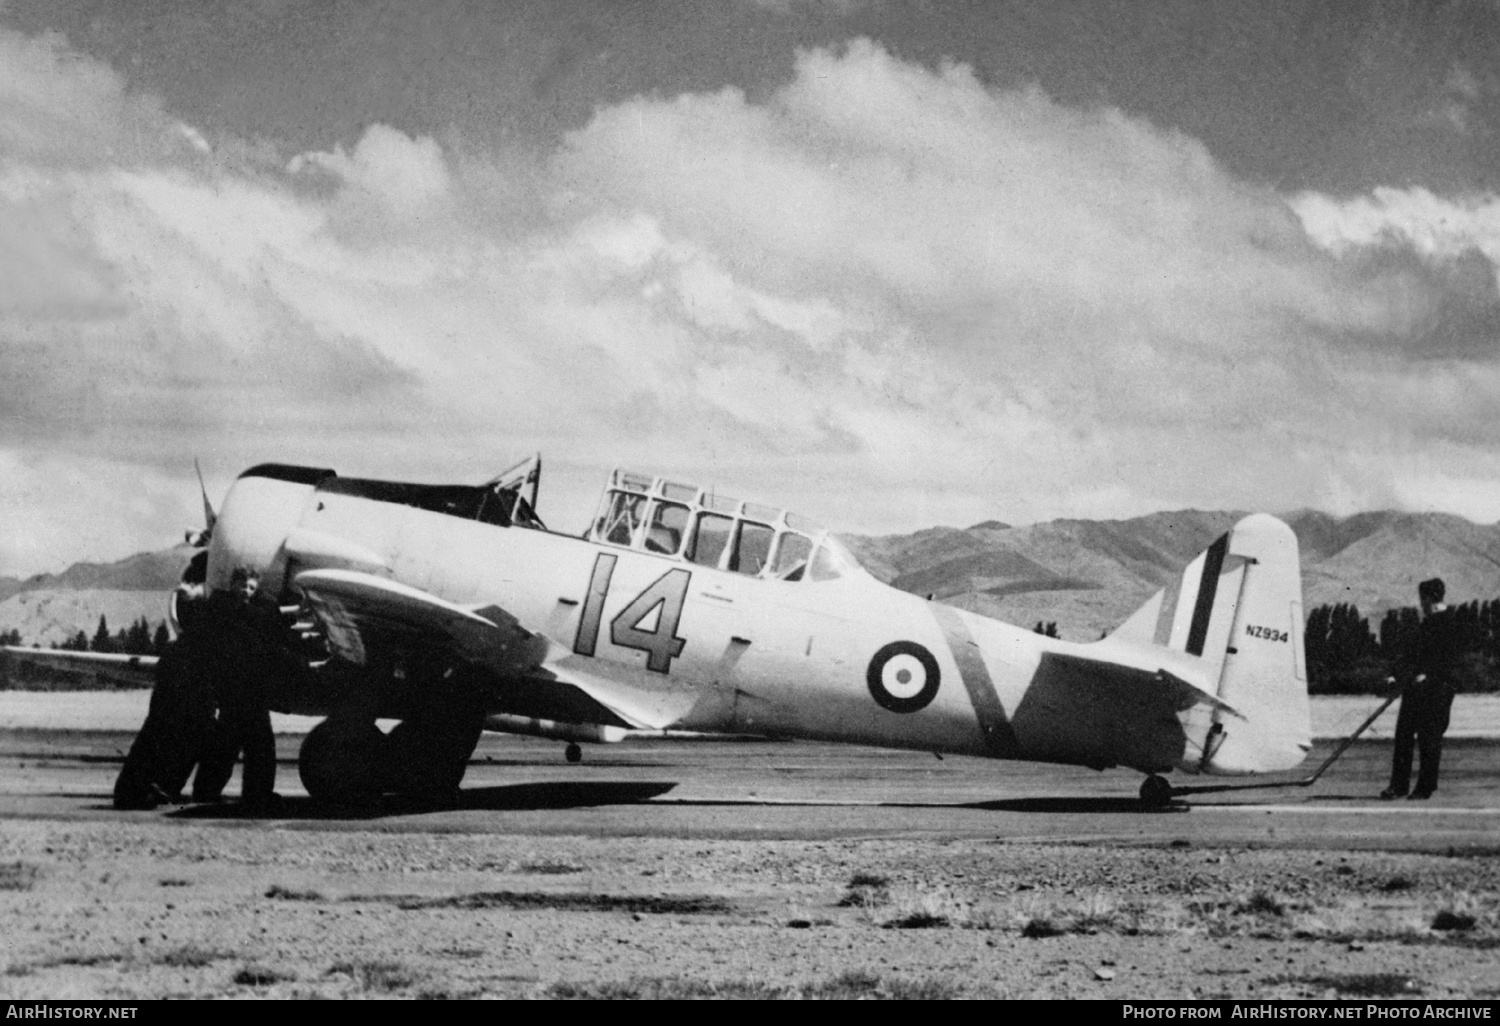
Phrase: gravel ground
[156,909]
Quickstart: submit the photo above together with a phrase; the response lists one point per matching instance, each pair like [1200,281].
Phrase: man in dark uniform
[1427,695]
[178,732]
[248,635]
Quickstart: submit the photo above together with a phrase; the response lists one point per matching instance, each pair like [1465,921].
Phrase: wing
[362,614]
[133,671]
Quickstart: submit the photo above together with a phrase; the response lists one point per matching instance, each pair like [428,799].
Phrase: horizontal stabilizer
[1194,695]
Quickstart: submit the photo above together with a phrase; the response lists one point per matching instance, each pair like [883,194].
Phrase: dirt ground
[138,910]
[759,871]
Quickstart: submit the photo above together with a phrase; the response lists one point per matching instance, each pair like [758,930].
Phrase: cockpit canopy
[698,526]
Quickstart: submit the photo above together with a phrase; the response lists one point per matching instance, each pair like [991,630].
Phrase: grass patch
[260,976]
[191,956]
[1364,985]
[523,901]
[1449,921]
[381,977]
[17,876]
[849,986]
[921,990]
[918,921]
[1095,914]
[1262,904]
[666,989]
[922,908]
[549,868]
[866,890]
[79,959]
[443,994]
[854,985]
[276,892]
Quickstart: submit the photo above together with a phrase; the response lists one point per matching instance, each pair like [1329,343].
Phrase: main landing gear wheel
[573,753]
[1155,792]
[344,761]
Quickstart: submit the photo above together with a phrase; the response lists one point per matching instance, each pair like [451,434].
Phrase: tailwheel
[344,761]
[1155,792]
[573,753]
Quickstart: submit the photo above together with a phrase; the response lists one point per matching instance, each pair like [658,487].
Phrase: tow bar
[1343,746]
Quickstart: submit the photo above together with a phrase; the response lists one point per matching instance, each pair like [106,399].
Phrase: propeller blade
[209,516]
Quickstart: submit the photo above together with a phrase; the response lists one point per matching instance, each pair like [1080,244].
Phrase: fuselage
[841,657]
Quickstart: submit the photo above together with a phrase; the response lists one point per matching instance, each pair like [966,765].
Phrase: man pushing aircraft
[210,702]
[1427,694]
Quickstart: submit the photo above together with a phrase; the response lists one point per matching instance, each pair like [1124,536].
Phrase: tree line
[137,639]
[1345,656]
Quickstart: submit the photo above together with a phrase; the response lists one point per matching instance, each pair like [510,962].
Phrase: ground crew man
[1426,695]
[247,638]
[178,734]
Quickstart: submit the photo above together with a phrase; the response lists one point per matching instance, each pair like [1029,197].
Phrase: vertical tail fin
[1238,608]
[1264,675]
[1194,614]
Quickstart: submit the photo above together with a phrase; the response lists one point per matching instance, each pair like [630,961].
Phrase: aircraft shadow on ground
[506,798]
[1070,806]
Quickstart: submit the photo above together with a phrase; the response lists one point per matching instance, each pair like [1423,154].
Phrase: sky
[891,264]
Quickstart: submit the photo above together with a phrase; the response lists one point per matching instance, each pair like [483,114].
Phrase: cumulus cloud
[885,293]
[396,170]
[1436,227]
[1439,256]
[1029,298]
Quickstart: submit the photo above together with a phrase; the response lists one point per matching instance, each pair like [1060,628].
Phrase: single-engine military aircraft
[454,609]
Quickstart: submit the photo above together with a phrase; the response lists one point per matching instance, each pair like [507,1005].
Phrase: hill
[1089,575]
[145,571]
[51,608]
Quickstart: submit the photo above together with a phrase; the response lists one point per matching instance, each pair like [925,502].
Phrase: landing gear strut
[1155,792]
[573,753]
[431,754]
[346,760]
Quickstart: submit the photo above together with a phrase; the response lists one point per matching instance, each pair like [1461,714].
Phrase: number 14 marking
[660,643]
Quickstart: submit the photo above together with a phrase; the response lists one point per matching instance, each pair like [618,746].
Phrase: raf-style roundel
[903,677]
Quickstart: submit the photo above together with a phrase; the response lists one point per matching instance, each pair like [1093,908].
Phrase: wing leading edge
[362,613]
[130,670]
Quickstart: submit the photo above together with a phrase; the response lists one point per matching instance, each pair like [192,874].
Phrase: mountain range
[1087,576]
[51,608]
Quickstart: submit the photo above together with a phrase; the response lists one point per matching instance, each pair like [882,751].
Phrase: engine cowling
[263,506]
